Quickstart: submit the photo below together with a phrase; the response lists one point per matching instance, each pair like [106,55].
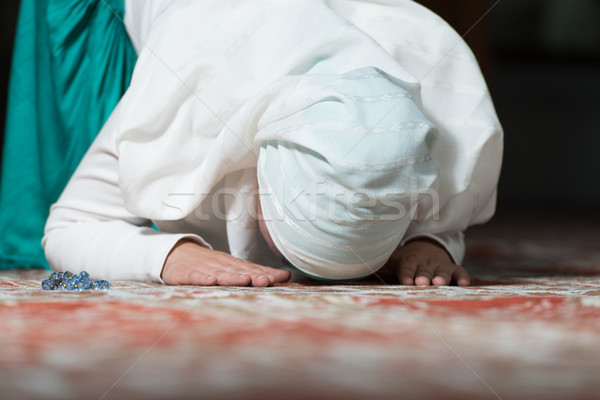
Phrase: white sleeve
[90,229]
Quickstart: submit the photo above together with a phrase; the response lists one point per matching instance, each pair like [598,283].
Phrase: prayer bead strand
[75,282]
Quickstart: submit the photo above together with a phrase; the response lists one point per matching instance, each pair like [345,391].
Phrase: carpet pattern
[528,328]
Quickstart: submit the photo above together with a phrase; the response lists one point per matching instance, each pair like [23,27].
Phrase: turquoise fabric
[72,62]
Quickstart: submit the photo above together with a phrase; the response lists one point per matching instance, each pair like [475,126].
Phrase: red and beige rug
[528,328]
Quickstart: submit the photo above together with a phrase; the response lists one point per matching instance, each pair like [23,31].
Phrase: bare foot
[424,262]
[192,264]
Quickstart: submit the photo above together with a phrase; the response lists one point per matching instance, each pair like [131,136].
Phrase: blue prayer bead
[74,282]
[100,285]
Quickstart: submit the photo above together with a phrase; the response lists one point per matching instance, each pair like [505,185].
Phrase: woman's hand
[191,264]
[424,262]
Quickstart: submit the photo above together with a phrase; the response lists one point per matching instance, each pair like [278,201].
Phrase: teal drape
[72,61]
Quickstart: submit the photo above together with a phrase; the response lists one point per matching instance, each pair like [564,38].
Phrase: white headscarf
[341,178]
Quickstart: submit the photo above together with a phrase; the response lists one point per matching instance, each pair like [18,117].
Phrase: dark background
[541,59]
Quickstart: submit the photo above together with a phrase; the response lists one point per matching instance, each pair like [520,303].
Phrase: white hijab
[342,177]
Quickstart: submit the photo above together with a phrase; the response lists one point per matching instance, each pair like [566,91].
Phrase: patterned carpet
[528,328]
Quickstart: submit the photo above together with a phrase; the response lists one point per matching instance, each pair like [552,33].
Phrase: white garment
[136,173]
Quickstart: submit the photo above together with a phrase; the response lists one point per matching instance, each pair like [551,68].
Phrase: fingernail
[438,281]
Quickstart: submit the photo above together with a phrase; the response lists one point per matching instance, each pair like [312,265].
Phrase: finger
[461,276]
[424,275]
[261,281]
[198,278]
[274,275]
[261,276]
[242,273]
[406,271]
[189,276]
[234,278]
[443,274]
[277,275]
